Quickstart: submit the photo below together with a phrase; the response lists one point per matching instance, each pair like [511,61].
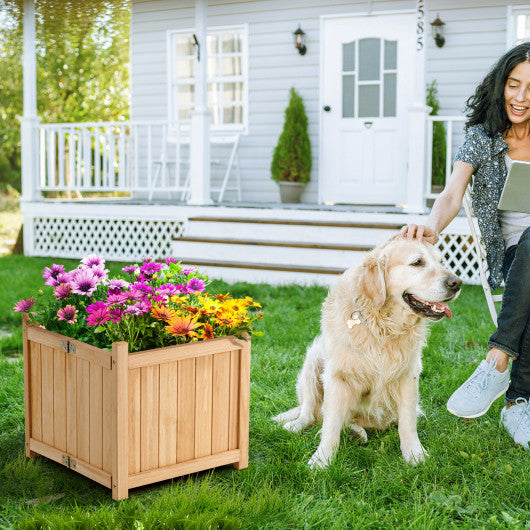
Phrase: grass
[475,476]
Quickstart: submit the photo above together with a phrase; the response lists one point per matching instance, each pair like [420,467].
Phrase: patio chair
[480,254]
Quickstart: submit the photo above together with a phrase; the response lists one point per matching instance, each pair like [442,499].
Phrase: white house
[189,174]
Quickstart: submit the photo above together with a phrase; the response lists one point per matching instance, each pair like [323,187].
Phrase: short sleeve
[474,149]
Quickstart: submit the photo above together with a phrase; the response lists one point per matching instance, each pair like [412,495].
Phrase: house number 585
[420,19]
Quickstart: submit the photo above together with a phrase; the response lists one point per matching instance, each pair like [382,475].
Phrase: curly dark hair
[487,106]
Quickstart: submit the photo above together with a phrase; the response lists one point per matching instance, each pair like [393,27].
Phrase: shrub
[439,145]
[292,156]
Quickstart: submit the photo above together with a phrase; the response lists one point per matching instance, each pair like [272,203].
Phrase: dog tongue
[442,306]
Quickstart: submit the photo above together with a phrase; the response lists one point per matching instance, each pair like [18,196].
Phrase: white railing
[122,156]
[450,123]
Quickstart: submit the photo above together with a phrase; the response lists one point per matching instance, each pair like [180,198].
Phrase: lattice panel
[115,239]
[459,256]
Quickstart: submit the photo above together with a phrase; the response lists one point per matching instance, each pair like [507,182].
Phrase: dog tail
[289,415]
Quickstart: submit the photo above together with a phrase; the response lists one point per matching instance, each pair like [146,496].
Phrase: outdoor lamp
[437,31]
[299,41]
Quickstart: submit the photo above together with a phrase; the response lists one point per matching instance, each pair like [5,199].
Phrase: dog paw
[414,454]
[320,459]
[358,432]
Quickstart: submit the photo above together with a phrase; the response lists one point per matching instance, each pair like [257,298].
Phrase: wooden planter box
[126,420]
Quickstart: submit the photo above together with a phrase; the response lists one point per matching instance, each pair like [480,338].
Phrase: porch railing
[122,156]
[453,137]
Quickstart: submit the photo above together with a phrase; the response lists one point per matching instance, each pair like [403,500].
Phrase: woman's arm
[445,208]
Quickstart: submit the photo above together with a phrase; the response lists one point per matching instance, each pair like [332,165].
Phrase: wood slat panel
[47,394]
[149,397]
[220,402]
[96,416]
[36,391]
[59,399]
[107,420]
[83,410]
[134,421]
[233,432]
[244,405]
[203,406]
[71,405]
[183,351]
[167,424]
[186,410]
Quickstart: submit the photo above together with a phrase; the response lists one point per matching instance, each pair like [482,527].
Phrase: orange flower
[163,313]
[222,297]
[207,332]
[183,326]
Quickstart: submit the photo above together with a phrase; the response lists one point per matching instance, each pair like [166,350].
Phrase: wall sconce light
[299,41]
[437,31]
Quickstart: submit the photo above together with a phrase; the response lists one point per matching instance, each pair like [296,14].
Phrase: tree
[291,160]
[82,68]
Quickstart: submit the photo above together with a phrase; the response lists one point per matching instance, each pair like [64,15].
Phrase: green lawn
[475,476]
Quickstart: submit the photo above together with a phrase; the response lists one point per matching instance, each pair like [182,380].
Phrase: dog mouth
[430,310]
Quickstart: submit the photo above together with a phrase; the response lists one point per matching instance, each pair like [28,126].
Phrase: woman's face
[517,93]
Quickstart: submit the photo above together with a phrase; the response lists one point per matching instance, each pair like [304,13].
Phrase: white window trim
[511,32]
[234,128]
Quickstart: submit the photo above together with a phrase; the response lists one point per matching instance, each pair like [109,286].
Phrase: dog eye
[418,263]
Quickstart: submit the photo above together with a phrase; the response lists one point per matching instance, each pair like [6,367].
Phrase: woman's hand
[419,232]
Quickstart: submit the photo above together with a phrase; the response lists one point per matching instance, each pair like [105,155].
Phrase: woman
[497,132]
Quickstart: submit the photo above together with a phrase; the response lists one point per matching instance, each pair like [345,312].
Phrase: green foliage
[291,160]
[82,68]
[439,143]
[475,476]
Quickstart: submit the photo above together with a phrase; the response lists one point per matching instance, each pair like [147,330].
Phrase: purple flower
[143,287]
[98,317]
[23,306]
[52,272]
[96,306]
[139,308]
[171,260]
[196,285]
[116,314]
[189,271]
[157,298]
[118,284]
[100,272]
[116,299]
[64,277]
[62,291]
[69,314]
[167,289]
[84,282]
[130,269]
[93,261]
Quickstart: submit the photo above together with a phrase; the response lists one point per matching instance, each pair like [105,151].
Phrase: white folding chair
[480,254]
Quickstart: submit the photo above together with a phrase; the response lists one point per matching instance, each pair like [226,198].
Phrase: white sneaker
[482,388]
[516,421]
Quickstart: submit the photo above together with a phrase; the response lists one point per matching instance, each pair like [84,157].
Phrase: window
[369,74]
[227,79]
[518,25]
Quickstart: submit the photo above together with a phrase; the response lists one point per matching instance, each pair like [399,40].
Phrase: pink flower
[62,291]
[195,285]
[84,282]
[93,260]
[116,299]
[96,306]
[23,306]
[171,260]
[100,272]
[131,269]
[52,272]
[98,317]
[116,314]
[69,314]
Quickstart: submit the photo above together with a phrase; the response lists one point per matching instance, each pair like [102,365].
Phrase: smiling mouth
[518,110]
[431,310]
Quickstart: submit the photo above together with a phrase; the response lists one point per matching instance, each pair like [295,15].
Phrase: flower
[130,269]
[100,271]
[92,308]
[183,326]
[52,272]
[196,285]
[23,306]
[93,261]
[68,313]
[207,332]
[84,282]
[62,291]
[163,313]
[98,317]
[171,260]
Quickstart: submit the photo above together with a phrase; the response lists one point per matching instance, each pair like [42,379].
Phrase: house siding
[475,35]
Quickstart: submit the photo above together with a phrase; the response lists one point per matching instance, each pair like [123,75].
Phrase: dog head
[411,274]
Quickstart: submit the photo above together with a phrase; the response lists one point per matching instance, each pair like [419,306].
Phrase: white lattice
[459,256]
[115,239]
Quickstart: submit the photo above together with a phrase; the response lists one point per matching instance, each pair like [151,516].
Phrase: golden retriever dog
[362,370]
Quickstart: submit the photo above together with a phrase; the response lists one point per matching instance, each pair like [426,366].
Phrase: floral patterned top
[486,155]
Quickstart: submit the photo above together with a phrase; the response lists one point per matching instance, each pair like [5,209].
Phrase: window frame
[172,35]
[511,23]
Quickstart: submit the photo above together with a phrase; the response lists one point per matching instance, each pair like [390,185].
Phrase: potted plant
[291,161]
[136,379]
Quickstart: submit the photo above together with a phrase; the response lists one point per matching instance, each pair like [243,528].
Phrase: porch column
[418,112]
[29,121]
[200,116]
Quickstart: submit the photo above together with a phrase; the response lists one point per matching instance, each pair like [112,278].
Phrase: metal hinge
[68,461]
[68,347]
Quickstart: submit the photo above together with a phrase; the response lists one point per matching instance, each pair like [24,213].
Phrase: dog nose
[453,283]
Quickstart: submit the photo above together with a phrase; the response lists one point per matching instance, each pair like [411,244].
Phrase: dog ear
[372,281]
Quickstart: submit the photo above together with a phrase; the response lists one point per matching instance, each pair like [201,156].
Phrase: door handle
[368,124]
[326,108]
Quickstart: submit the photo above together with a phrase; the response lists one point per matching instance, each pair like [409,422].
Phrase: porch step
[277,250]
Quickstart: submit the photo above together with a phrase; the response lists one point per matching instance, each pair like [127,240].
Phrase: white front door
[368,75]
